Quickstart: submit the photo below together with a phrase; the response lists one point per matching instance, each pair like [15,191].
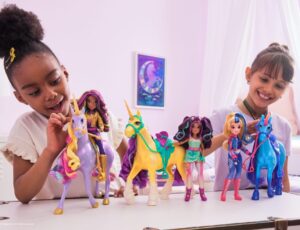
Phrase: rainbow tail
[61,172]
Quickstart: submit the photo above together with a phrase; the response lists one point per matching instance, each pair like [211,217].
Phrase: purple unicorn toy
[80,155]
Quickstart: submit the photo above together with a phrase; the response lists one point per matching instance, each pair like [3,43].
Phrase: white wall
[96,41]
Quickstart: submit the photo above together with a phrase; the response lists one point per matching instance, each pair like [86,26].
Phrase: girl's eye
[279,86]
[55,81]
[239,127]
[264,80]
[34,93]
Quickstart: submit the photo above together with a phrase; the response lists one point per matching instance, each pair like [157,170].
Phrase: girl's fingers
[58,119]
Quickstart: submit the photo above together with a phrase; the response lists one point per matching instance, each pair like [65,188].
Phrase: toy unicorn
[80,155]
[268,153]
[147,158]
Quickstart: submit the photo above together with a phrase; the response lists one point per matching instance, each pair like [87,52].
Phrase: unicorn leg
[87,183]
[269,178]
[280,164]
[128,191]
[278,187]
[59,210]
[255,195]
[153,194]
[164,194]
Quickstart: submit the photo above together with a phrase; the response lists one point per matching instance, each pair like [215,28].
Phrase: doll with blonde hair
[235,130]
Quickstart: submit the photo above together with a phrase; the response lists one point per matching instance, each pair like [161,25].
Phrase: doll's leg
[101,161]
[237,178]
[228,179]
[199,166]
[188,182]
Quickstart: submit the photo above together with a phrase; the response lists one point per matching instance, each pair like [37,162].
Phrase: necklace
[253,114]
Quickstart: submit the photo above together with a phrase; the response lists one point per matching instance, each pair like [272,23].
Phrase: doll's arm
[100,122]
[216,142]
[180,142]
[245,150]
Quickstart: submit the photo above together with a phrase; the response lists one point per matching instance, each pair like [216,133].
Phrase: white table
[170,214]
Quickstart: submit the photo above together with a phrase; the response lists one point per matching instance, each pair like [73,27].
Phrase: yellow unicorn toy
[144,156]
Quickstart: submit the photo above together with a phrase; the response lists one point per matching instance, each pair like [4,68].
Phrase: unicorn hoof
[129,197]
[270,193]
[100,195]
[130,200]
[152,203]
[96,205]
[255,195]
[58,211]
[278,192]
[164,196]
[105,201]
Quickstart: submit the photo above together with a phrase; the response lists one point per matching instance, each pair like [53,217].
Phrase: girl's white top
[28,138]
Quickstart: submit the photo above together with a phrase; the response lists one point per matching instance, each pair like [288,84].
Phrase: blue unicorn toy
[268,153]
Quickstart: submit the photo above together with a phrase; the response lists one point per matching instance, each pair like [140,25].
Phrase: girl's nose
[51,95]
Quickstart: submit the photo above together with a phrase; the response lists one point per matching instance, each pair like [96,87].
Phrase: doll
[235,130]
[97,122]
[194,134]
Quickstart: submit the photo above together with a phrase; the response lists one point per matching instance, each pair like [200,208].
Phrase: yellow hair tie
[11,58]
[12,54]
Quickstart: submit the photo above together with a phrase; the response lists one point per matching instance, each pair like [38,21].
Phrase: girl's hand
[251,126]
[56,136]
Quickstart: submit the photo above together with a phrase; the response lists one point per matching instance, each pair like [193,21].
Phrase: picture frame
[149,81]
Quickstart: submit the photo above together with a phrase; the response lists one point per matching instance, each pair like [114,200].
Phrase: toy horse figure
[148,158]
[268,153]
[80,156]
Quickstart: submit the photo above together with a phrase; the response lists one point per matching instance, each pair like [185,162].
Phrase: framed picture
[150,81]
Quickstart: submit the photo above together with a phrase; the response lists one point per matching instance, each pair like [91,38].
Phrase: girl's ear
[20,98]
[248,73]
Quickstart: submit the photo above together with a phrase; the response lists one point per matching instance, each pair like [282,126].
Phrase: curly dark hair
[21,30]
[184,130]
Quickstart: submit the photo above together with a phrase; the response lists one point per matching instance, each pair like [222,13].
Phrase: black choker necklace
[253,114]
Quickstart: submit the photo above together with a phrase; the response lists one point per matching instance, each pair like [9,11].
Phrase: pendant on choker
[251,111]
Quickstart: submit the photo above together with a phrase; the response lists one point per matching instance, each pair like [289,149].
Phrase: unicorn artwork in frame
[150,81]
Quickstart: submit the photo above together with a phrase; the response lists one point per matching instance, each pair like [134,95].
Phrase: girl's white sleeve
[20,143]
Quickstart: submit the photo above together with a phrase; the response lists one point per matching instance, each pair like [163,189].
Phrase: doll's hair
[230,118]
[184,130]
[275,58]
[243,135]
[21,35]
[100,105]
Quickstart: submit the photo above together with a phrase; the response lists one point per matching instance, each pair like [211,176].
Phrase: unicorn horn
[76,108]
[267,118]
[128,110]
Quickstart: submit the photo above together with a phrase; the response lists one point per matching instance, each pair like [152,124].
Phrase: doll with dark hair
[97,122]
[194,134]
